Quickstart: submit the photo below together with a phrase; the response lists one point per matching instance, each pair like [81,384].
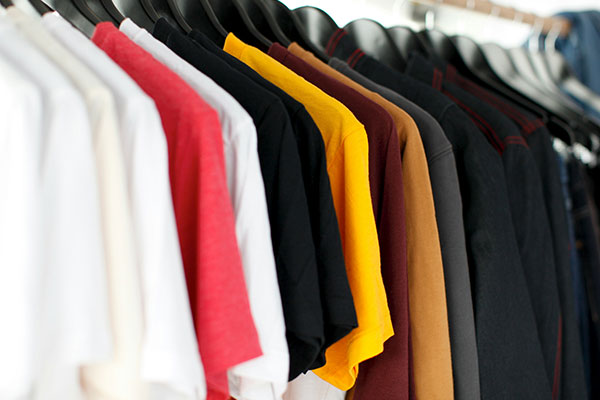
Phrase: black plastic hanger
[407,41]
[443,47]
[41,7]
[234,19]
[502,64]
[87,11]
[113,11]
[477,68]
[372,37]
[200,15]
[319,26]
[563,76]
[293,28]
[168,10]
[138,11]
[71,13]
[98,8]
[264,21]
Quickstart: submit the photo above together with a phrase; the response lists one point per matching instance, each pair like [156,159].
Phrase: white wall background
[448,19]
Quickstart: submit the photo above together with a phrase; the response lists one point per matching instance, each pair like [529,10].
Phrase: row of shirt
[185,221]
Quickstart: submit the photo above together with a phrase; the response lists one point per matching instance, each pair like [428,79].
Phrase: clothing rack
[545,24]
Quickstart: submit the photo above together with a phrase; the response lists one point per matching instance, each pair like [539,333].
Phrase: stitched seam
[356,59]
[527,125]
[491,134]
[354,54]
[440,155]
[333,45]
[555,385]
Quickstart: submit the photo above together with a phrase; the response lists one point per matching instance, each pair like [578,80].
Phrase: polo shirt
[339,316]
[57,322]
[346,148]
[286,199]
[169,354]
[527,207]
[267,375]
[429,324]
[385,178]
[448,212]
[224,326]
[507,351]
[572,383]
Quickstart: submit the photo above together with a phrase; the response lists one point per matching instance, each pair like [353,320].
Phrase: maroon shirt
[387,375]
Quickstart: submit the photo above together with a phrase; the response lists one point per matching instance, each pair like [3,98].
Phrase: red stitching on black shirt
[557,362]
[489,131]
[354,54]
[362,53]
[527,125]
[335,40]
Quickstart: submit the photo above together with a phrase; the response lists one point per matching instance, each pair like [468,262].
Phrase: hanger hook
[430,16]
[492,16]
[495,10]
[518,17]
[552,36]
[397,7]
[536,33]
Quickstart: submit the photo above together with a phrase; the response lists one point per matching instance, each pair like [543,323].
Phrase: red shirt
[205,222]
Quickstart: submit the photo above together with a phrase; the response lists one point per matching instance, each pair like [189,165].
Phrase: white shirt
[58,316]
[118,377]
[169,349]
[265,377]
[310,386]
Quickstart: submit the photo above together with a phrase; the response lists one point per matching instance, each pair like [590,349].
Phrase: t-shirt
[54,295]
[286,200]
[496,270]
[339,316]
[539,140]
[169,355]
[385,177]
[265,376]
[346,150]
[224,326]
[117,376]
[449,217]
[426,286]
[527,207]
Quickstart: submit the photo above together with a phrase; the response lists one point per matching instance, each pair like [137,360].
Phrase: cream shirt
[53,283]
[116,377]
[170,361]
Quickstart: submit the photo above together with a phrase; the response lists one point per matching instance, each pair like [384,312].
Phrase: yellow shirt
[346,151]
[426,286]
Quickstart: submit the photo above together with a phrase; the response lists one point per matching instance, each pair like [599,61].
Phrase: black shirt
[532,128]
[286,199]
[511,364]
[527,206]
[339,315]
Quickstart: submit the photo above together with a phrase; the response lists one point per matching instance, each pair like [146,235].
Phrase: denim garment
[580,47]
[581,302]
[588,249]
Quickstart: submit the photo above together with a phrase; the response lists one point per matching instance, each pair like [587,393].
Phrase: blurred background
[450,19]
